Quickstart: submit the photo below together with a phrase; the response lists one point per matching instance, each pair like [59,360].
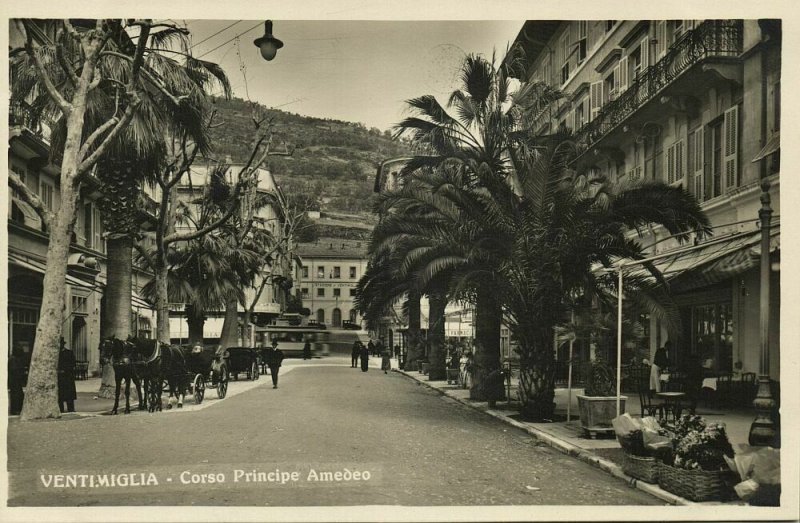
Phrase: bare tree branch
[145,255]
[63,104]
[66,66]
[178,237]
[86,164]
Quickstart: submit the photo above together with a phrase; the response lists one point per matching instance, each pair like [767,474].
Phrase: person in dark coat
[693,371]
[371,347]
[660,362]
[379,346]
[17,379]
[307,350]
[274,359]
[386,361]
[66,379]
[355,353]
[364,358]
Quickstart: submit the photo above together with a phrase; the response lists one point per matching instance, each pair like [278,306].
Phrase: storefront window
[713,336]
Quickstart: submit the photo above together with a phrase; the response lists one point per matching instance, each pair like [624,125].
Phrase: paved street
[417,447]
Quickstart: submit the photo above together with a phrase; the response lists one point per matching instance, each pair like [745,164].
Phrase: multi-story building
[29,150]
[278,269]
[331,268]
[691,103]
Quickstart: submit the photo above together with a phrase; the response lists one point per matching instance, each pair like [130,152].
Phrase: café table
[672,402]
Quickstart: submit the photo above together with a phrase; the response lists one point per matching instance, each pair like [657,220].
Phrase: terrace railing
[711,39]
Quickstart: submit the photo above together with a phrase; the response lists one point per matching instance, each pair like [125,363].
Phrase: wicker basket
[641,467]
[698,485]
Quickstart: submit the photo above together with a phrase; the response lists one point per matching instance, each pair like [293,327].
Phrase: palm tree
[89,80]
[562,226]
[492,127]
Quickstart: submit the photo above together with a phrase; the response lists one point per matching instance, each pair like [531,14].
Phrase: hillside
[334,162]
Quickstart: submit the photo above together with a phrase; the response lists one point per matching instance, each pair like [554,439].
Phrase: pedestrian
[379,346]
[397,351]
[386,361]
[365,358]
[17,379]
[660,362]
[66,378]
[307,350]
[355,353]
[371,347]
[274,359]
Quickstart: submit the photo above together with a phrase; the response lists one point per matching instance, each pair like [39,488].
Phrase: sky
[352,70]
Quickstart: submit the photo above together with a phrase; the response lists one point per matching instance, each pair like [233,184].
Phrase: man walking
[354,354]
[66,378]
[274,359]
[371,347]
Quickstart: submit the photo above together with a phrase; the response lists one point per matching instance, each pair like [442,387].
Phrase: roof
[531,40]
[333,248]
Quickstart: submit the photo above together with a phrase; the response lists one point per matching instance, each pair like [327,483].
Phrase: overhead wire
[229,41]
[215,34]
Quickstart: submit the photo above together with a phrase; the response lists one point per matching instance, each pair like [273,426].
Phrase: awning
[138,301]
[722,259]
[33,265]
[772,146]
[31,217]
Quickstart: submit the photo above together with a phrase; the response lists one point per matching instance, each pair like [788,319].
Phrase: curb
[564,447]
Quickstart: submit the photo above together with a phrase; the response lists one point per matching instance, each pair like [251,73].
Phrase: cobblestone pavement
[416,447]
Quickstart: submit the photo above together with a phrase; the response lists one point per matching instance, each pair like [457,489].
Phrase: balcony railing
[711,39]
[21,114]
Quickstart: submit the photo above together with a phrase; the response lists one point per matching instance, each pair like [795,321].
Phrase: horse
[159,362]
[113,351]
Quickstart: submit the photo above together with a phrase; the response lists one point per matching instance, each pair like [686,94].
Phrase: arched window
[321,315]
[337,317]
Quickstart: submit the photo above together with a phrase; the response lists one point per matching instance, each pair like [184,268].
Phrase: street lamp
[762,431]
[268,44]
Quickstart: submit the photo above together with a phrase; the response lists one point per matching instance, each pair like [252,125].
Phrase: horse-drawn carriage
[207,368]
[243,359]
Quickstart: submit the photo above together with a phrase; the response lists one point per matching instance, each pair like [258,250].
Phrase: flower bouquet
[760,472]
[698,469]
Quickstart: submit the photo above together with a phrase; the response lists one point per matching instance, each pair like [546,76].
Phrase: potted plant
[598,404]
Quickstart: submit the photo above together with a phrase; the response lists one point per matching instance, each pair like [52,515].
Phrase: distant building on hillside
[331,268]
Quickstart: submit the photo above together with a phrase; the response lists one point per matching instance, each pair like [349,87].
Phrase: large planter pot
[598,411]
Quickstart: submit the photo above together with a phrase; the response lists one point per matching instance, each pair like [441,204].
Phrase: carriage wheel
[199,389]
[254,371]
[222,382]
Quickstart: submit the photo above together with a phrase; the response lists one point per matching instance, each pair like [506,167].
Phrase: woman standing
[386,361]
[364,359]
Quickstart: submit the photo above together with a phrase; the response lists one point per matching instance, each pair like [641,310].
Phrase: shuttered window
[623,74]
[730,150]
[674,163]
[661,39]
[695,163]
[595,99]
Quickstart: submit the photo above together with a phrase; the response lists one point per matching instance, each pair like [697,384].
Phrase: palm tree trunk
[229,337]
[196,319]
[436,334]
[115,318]
[415,349]
[537,379]
[488,320]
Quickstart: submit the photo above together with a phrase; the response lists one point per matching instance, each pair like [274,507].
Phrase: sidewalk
[567,437]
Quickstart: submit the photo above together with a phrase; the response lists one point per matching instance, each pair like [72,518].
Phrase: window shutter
[96,229]
[695,164]
[585,109]
[669,158]
[623,74]
[679,170]
[595,99]
[644,51]
[661,38]
[730,151]
[616,79]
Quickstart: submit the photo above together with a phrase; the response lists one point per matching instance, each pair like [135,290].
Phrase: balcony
[713,40]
